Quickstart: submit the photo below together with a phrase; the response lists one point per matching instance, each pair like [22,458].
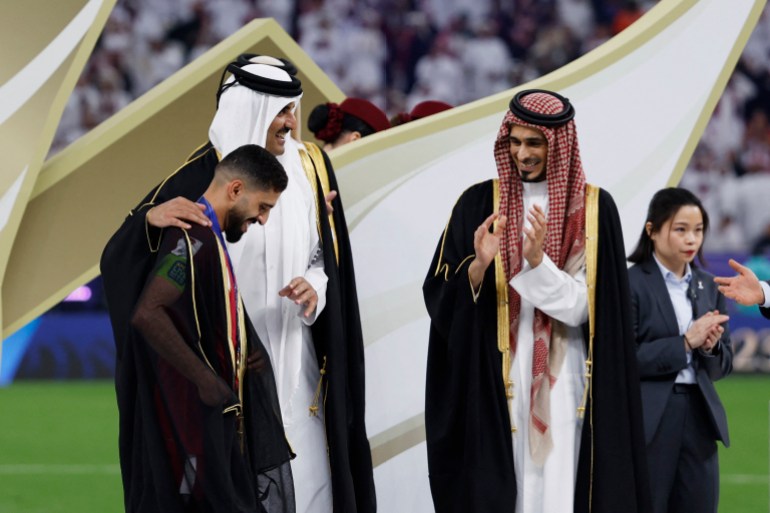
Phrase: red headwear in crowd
[359,108]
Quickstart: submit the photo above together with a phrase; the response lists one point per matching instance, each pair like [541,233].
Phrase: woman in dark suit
[683,346]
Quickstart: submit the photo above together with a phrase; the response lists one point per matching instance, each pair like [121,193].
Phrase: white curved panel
[23,86]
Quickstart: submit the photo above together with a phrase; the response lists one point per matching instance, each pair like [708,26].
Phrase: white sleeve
[766,290]
[554,292]
[317,278]
[315,274]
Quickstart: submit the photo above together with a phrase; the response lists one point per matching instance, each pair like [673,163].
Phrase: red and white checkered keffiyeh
[564,242]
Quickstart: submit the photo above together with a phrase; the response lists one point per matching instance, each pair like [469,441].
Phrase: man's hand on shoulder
[177,212]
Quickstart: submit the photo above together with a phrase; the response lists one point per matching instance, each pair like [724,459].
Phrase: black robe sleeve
[129,255]
[612,468]
[338,341]
[183,440]
[466,412]
[470,455]
[197,445]
[126,262]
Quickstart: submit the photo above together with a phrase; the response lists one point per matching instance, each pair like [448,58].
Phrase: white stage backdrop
[642,101]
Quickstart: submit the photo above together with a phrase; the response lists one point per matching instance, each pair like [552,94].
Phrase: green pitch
[58,447]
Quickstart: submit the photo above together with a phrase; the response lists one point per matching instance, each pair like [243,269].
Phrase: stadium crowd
[397,53]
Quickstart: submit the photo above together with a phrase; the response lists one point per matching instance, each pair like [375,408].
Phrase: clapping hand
[486,244]
[532,248]
[705,332]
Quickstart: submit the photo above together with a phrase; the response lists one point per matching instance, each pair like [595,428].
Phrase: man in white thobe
[545,463]
[548,486]
[281,277]
[512,421]
[293,275]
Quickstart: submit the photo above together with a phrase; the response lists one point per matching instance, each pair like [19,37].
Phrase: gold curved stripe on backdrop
[43,56]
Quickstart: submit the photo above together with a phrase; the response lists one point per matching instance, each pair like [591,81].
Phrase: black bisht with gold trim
[339,346]
[470,458]
[178,454]
[126,262]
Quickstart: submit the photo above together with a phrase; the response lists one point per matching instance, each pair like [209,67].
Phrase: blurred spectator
[324,43]
[438,73]
[554,48]
[577,17]
[364,58]
[486,62]
[724,132]
[744,203]
[706,176]
[754,156]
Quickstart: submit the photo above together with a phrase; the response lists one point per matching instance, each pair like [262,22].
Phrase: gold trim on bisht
[314,165]
[503,323]
[592,258]
[309,168]
[591,251]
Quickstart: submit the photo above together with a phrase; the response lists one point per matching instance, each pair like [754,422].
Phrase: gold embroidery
[190,255]
[235,361]
[151,203]
[444,267]
[314,405]
[591,251]
[503,326]
[154,196]
[592,257]
[314,165]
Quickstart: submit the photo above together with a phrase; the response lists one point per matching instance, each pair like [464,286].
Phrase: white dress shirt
[677,291]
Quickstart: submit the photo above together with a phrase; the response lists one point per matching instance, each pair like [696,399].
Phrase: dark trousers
[682,457]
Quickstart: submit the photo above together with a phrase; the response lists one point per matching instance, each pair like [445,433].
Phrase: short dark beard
[524,176]
[235,220]
[540,177]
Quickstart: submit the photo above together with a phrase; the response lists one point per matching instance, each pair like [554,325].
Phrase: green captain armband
[173,268]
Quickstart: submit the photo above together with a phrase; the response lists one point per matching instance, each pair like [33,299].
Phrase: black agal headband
[286,65]
[258,83]
[539,118]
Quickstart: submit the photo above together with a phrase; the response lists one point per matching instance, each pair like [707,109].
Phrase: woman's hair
[328,122]
[663,206]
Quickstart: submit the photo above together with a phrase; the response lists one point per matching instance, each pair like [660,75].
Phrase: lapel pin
[700,285]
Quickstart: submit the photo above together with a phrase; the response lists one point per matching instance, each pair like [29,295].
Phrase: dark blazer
[765,311]
[660,349]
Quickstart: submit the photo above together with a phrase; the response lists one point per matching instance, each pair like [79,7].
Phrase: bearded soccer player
[206,432]
[295,275]
[532,394]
